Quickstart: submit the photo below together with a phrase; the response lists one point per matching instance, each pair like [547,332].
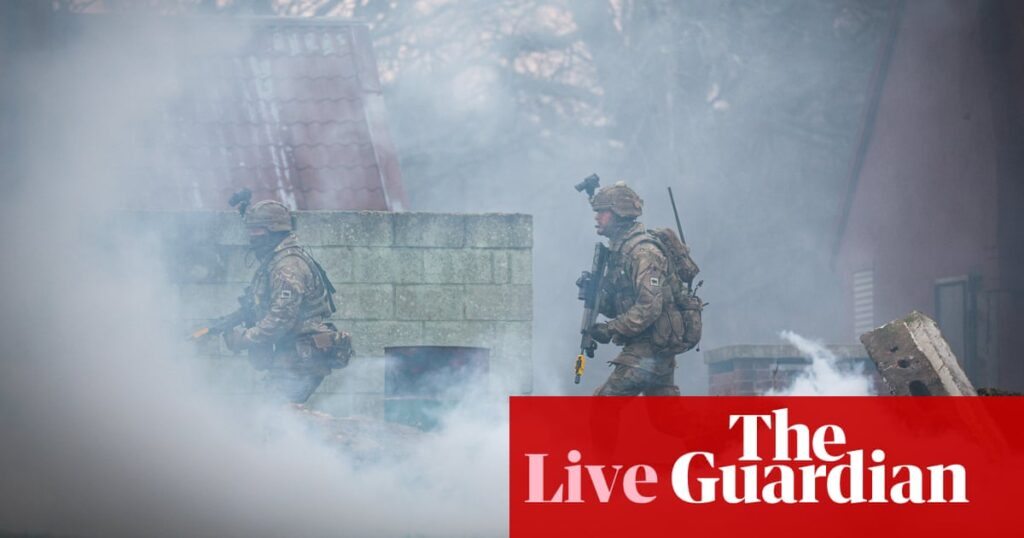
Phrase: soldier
[289,301]
[635,295]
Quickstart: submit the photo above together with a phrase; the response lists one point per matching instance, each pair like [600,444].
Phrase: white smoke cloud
[111,431]
[823,377]
[110,426]
[107,427]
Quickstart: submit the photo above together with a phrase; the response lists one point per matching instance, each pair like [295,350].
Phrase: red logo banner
[774,466]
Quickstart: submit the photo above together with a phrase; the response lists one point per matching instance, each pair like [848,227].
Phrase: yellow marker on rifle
[589,285]
[581,362]
[222,325]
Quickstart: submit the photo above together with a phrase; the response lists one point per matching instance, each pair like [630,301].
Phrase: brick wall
[402,279]
[747,370]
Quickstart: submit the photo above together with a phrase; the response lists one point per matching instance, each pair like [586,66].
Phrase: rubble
[362,438]
[914,359]
[997,392]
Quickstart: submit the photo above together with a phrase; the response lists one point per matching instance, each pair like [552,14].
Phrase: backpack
[680,329]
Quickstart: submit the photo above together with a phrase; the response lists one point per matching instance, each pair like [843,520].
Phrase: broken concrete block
[915,360]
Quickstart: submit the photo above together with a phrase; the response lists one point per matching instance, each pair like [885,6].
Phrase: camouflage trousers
[293,386]
[289,376]
[639,369]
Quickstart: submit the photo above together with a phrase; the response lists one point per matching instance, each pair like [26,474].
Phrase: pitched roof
[295,113]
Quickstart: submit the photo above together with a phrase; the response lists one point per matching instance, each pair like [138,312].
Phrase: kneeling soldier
[288,301]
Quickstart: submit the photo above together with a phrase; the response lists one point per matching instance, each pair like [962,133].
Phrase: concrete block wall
[402,279]
[750,370]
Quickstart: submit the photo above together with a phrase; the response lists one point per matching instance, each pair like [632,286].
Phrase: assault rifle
[225,323]
[240,200]
[589,284]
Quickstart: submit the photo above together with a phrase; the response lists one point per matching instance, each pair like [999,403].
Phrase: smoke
[824,377]
[752,127]
[110,428]
[112,425]
[112,432]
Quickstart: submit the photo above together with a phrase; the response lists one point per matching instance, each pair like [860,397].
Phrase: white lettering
[878,477]
[936,475]
[910,489]
[750,433]
[821,443]
[781,490]
[782,429]
[809,475]
[856,471]
[681,479]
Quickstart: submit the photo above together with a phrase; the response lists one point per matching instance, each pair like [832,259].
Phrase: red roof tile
[294,115]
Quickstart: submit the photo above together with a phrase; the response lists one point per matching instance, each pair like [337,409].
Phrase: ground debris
[987,391]
[915,360]
[364,438]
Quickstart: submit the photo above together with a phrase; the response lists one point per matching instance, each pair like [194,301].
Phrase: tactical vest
[620,268]
[678,328]
[318,303]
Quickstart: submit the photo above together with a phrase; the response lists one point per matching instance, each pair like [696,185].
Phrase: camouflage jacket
[289,296]
[636,289]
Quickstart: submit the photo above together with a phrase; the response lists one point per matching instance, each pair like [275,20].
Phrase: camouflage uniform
[635,295]
[290,305]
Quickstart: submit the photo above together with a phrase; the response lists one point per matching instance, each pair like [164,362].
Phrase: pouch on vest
[679,327]
[691,313]
[335,346]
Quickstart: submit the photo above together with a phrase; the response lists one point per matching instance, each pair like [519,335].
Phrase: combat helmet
[619,199]
[269,214]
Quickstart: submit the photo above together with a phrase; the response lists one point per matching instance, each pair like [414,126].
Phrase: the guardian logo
[831,474]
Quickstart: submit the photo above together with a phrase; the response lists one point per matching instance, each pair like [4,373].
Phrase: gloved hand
[600,333]
[235,339]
